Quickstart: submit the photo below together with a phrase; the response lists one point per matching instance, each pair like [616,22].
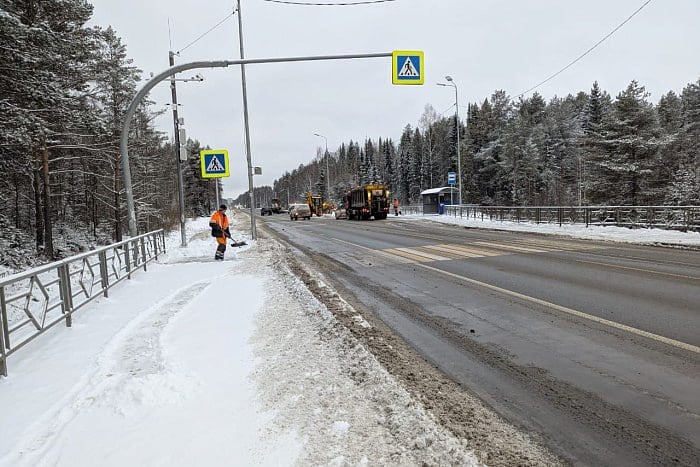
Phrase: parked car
[297,211]
[266,210]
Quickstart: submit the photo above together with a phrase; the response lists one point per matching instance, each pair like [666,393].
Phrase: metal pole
[253,233]
[180,184]
[459,157]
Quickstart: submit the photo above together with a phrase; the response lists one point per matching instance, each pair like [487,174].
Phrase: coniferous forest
[587,148]
[65,87]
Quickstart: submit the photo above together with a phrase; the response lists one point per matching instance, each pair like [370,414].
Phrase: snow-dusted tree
[598,107]
[416,167]
[403,165]
[426,124]
[629,152]
[685,185]
[45,50]
[115,82]
[495,116]
[560,157]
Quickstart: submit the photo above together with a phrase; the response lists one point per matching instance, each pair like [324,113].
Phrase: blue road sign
[214,163]
[451,178]
[407,67]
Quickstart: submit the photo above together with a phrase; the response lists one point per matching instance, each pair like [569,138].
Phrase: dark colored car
[297,211]
[266,210]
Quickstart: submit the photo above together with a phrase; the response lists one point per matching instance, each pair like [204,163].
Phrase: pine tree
[630,148]
[46,50]
[593,182]
[416,167]
[685,185]
[403,165]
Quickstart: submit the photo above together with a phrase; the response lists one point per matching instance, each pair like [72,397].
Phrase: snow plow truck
[367,201]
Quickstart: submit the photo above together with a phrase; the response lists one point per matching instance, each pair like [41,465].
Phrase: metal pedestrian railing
[33,301]
[662,217]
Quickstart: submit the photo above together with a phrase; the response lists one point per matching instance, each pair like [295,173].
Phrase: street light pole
[178,159]
[247,127]
[459,158]
[328,175]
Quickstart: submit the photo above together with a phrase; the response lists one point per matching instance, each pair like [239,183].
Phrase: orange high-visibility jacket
[222,221]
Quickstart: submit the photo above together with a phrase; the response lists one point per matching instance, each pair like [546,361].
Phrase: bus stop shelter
[434,197]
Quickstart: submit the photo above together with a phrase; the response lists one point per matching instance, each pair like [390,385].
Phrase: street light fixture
[459,158]
[328,175]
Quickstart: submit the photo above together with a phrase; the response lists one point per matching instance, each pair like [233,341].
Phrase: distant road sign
[214,163]
[451,178]
[407,67]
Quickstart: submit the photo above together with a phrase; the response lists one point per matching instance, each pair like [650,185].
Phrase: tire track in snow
[128,368]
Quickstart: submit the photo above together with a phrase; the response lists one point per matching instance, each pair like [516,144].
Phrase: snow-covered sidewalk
[197,362]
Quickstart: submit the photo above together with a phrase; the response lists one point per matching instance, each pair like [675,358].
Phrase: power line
[449,108]
[587,51]
[365,2]
[201,36]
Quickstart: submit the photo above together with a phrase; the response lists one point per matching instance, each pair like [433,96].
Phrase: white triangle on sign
[408,69]
[215,165]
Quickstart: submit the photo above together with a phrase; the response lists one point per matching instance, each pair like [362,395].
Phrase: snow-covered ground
[608,233]
[197,362]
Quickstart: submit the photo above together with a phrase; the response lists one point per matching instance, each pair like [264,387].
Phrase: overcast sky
[484,45]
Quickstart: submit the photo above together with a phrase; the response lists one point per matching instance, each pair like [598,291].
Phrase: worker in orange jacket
[219,229]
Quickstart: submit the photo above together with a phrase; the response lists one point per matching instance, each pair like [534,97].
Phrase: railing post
[4,337]
[65,293]
[155,246]
[143,253]
[127,260]
[104,275]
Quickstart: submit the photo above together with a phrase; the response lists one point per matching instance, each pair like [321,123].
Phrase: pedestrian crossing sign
[214,163]
[407,67]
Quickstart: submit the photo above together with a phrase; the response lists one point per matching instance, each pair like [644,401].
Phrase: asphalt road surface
[592,347]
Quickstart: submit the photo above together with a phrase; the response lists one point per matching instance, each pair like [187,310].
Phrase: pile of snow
[608,233]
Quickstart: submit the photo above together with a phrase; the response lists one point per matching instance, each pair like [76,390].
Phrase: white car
[297,211]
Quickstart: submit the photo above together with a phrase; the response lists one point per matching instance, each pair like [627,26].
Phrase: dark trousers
[220,250]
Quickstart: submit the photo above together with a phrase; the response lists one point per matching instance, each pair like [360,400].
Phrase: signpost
[451,180]
[214,164]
